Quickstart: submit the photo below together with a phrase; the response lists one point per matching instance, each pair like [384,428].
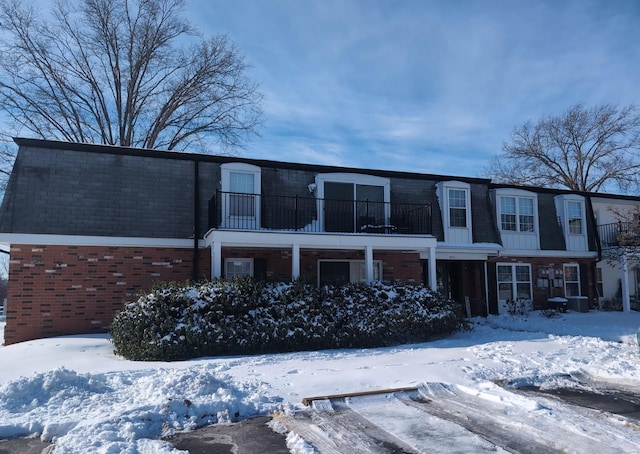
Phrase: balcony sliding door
[338,207]
[369,207]
[348,207]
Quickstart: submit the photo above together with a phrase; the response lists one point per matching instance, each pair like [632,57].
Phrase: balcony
[619,234]
[238,211]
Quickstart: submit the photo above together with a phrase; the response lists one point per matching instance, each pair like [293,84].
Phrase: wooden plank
[309,400]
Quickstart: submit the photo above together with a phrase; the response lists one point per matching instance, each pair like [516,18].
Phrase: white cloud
[381,84]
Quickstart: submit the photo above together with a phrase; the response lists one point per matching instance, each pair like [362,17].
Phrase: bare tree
[7,156]
[582,149]
[113,72]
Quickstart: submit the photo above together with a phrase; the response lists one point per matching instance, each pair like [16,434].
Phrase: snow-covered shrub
[180,321]
[519,307]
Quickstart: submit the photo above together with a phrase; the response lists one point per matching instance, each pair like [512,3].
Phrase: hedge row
[181,321]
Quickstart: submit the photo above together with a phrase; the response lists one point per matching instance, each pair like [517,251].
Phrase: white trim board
[81,240]
[233,238]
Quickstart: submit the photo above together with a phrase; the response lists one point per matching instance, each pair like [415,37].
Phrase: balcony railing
[236,211]
[619,234]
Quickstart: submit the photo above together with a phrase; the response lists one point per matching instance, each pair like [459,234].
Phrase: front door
[462,280]
[335,273]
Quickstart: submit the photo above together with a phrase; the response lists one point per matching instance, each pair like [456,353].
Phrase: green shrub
[181,321]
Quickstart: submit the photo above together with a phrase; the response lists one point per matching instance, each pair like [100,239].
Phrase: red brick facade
[395,265]
[59,290]
[542,291]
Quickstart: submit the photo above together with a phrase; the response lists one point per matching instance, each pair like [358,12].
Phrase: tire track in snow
[438,401]
[443,418]
[523,424]
[332,427]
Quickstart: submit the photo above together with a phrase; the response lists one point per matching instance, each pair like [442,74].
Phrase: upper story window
[241,195]
[454,198]
[517,214]
[570,210]
[457,207]
[574,217]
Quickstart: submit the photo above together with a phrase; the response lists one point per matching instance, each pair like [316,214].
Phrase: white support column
[368,263]
[626,299]
[433,283]
[295,262]
[216,260]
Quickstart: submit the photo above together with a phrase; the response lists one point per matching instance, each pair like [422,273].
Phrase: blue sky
[427,86]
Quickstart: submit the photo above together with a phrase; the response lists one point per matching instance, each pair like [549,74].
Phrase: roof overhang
[476,251]
[357,241]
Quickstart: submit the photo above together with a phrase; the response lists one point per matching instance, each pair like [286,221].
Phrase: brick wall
[395,265]
[541,293]
[60,290]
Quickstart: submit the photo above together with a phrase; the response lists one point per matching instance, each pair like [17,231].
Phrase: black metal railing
[619,234]
[236,211]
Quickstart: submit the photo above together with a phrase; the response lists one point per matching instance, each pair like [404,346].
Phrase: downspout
[486,286]
[195,273]
[596,235]
[594,227]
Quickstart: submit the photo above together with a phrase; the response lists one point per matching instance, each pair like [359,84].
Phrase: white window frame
[443,192]
[600,283]
[229,220]
[241,260]
[465,207]
[356,267]
[565,266]
[570,218]
[518,213]
[514,279]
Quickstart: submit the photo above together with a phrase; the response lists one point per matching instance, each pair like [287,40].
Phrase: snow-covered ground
[75,391]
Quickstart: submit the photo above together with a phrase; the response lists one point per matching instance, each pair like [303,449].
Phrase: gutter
[195,273]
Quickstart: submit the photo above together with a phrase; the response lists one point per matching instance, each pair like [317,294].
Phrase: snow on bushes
[181,321]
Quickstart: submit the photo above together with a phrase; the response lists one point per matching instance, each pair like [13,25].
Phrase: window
[242,196]
[600,283]
[517,214]
[358,271]
[514,282]
[508,213]
[525,212]
[574,215]
[240,201]
[238,268]
[572,280]
[457,208]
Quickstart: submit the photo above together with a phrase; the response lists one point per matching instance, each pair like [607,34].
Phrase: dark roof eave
[560,191]
[190,156]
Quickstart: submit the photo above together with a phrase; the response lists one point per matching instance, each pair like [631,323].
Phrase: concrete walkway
[250,436]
